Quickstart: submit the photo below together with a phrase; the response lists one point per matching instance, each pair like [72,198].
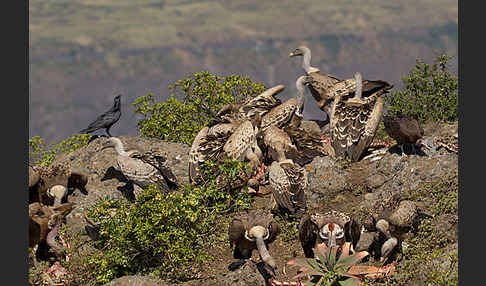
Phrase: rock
[137,281]
[105,181]
[246,275]
[375,181]
[326,180]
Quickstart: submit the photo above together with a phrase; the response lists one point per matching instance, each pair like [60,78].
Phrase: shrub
[43,154]
[193,102]
[163,235]
[430,94]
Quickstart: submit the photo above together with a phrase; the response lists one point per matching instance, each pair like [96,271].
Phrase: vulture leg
[243,255]
[403,152]
[108,131]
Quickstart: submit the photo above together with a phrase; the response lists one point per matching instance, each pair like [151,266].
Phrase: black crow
[107,119]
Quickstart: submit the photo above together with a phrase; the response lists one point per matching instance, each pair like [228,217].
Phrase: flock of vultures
[267,133]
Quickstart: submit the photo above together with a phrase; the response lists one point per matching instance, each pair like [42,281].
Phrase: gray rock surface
[135,280]
[247,275]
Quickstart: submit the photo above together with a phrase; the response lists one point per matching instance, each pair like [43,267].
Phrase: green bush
[430,94]
[164,235]
[43,154]
[193,103]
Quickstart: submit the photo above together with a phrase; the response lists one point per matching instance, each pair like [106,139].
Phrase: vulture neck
[120,150]
[359,85]
[300,94]
[306,62]
[262,249]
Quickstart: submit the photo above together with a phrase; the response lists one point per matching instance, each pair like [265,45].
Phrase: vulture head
[300,51]
[331,233]
[253,230]
[331,228]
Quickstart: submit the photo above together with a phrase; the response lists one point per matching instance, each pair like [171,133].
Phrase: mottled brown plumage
[278,143]
[404,129]
[288,182]
[240,235]
[391,219]
[320,82]
[315,228]
[282,114]
[56,174]
[196,158]
[308,145]
[354,118]
[44,222]
[210,142]
[325,88]
[143,169]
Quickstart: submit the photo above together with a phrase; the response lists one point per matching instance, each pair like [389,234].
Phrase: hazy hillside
[83,52]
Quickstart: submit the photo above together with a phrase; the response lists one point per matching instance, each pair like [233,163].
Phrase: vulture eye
[323,235]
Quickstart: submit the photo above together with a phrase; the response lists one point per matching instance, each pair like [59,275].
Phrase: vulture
[278,143]
[354,118]
[307,144]
[242,144]
[331,228]
[249,230]
[288,183]
[210,141]
[390,225]
[320,82]
[282,114]
[44,222]
[405,130]
[107,119]
[51,184]
[143,169]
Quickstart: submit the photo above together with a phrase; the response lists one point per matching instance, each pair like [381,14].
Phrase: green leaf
[349,282]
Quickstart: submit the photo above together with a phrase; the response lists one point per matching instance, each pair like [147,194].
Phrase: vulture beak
[105,146]
[295,53]
[422,143]
[332,236]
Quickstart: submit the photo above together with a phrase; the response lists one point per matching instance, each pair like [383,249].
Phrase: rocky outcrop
[105,181]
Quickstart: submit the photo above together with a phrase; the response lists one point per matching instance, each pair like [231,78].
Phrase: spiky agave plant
[330,267]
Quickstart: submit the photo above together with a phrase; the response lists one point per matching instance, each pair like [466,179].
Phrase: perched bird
[250,230]
[355,118]
[320,82]
[278,143]
[143,169]
[324,87]
[212,139]
[44,222]
[390,219]
[405,130]
[282,114]
[107,119]
[331,228]
[53,182]
[288,182]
